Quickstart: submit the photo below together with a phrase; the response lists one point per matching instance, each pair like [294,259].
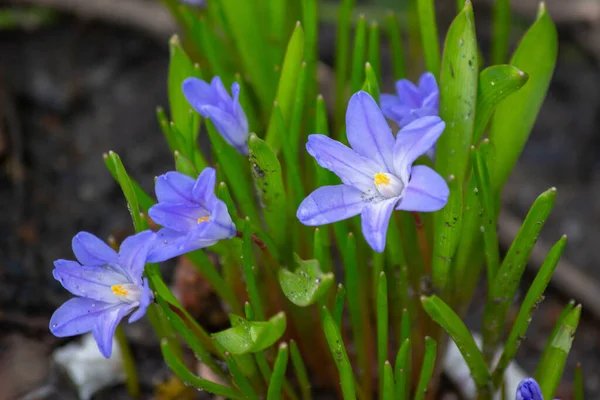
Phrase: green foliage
[250,336]
[307,284]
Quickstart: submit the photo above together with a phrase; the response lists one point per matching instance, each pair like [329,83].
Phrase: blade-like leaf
[429,35]
[278,377]
[427,368]
[395,38]
[338,351]
[402,373]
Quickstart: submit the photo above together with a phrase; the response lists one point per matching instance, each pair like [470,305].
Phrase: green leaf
[429,35]
[501,23]
[342,61]
[448,223]
[388,382]
[251,336]
[300,369]
[307,284]
[441,313]
[112,160]
[127,188]
[403,371]
[236,368]
[382,327]
[293,139]
[185,166]
[338,308]
[554,364]
[579,386]
[371,86]
[427,368]
[278,377]
[374,46]
[250,273]
[532,300]
[514,118]
[495,84]
[338,351]
[286,91]
[395,38]
[505,285]
[311,35]
[559,321]
[359,54]
[458,96]
[268,180]
[179,368]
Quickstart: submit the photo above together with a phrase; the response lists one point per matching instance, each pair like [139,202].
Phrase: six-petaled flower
[212,101]
[191,215]
[377,172]
[109,286]
[529,389]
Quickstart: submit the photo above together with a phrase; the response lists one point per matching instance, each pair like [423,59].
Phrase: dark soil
[70,92]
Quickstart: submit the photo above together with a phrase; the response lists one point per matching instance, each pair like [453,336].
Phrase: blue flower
[191,215]
[212,101]
[412,102]
[529,389]
[109,286]
[198,3]
[377,172]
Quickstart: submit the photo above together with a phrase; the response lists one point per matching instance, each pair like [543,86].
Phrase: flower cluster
[377,176]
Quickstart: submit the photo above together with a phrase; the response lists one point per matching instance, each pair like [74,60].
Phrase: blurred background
[81,77]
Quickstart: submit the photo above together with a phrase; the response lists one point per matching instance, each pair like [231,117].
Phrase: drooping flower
[109,286]
[412,102]
[377,172]
[191,215]
[212,101]
[529,389]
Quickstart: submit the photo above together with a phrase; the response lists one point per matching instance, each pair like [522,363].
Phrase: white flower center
[388,185]
[128,292]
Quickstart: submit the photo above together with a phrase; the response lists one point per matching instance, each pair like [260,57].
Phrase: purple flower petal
[408,93]
[413,141]
[90,250]
[238,112]
[375,219]
[145,301]
[368,132]
[428,84]
[178,216]
[174,187]
[529,389]
[388,103]
[231,130]
[170,244]
[329,204]
[426,191]
[93,282]
[219,226]
[133,254]
[198,93]
[106,324]
[224,99]
[77,315]
[203,191]
[352,168]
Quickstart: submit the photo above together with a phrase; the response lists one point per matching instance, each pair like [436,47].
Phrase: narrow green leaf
[143,199]
[579,386]
[429,35]
[505,285]
[458,95]
[238,376]
[127,188]
[307,284]
[324,176]
[387,392]
[531,302]
[132,382]
[268,180]
[278,377]
[447,228]
[208,43]
[321,249]
[501,22]
[374,57]
[250,273]
[495,84]
[311,35]
[441,313]
[382,330]
[294,137]
[286,91]
[174,141]
[402,373]
[395,38]
[371,86]
[251,336]
[179,368]
[338,308]
[359,55]
[342,60]
[300,369]
[514,118]
[278,19]
[559,321]
[184,165]
[427,368]
[338,351]
[554,364]
[488,224]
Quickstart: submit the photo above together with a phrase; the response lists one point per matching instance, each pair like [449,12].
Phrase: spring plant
[345,238]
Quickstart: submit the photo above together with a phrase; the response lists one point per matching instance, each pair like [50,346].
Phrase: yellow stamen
[381,179]
[202,219]
[118,290]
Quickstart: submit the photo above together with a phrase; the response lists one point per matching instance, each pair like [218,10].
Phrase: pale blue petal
[174,187]
[170,244]
[145,301]
[352,168]
[330,204]
[180,217]
[198,93]
[529,389]
[204,188]
[106,324]
[368,132]
[218,227]
[77,316]
[93,282]
[375,219]
[229,127]
[428,84]
[426,191]
[133,254]
[388,103]
[408,93]
[90,250]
